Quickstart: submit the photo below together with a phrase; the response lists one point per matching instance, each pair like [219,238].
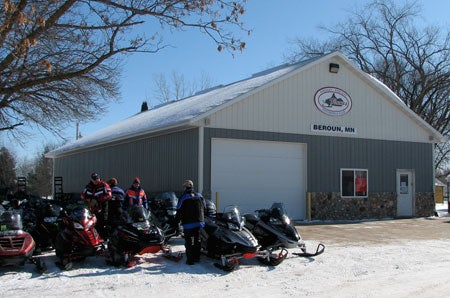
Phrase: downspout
[53,177]
[201,137]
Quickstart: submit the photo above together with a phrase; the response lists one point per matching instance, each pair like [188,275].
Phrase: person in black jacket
[116,214]
[190,211]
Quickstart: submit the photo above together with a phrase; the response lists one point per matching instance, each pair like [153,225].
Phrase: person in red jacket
[96,195]
[135,195]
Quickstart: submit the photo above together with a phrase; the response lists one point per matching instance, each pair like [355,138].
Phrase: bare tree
[60,59]
[162,89]
[384,41]
[177,87]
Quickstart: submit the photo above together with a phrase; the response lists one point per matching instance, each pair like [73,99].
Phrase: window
[354,183]
[403,184]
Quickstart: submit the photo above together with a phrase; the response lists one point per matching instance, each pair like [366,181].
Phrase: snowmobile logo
[333,101]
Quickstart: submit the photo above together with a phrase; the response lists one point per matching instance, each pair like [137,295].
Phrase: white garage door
[254,174]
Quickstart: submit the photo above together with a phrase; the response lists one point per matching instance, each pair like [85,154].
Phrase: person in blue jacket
[115,213]
[191,213]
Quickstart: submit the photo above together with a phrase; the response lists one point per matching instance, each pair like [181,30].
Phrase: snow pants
[192,245]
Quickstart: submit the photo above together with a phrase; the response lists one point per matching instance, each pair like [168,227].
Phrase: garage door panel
[254,174]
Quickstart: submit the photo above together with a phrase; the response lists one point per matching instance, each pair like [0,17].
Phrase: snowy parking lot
[407,264]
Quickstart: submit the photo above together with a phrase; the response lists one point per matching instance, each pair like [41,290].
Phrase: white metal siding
[288,106]
[254,174]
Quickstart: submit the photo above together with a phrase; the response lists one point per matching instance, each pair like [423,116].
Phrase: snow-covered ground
[400,269]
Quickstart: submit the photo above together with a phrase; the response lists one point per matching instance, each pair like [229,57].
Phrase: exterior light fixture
[334,67]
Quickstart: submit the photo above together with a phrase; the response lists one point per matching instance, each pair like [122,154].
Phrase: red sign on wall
[361,185]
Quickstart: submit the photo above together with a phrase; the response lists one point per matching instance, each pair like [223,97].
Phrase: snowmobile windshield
[138,214]
[51,212]
[81,214]
[210,208]
[10,221]
[278,214]
[168,199]
[233,217]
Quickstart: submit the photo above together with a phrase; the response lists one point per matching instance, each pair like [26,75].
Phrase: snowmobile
[16,245]
[227,239]
[77,238]
[274,231]
[45,226]
[137,236]
[164,210]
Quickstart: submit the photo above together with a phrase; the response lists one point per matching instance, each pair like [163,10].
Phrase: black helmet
[210,208]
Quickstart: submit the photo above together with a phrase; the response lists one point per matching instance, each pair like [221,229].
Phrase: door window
[404,183]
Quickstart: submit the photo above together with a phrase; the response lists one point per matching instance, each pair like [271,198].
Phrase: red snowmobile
[16,245]
[77,238]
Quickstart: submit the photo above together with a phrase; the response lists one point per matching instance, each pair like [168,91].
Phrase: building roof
[187,111]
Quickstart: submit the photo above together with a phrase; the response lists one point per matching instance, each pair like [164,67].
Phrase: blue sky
[274,23]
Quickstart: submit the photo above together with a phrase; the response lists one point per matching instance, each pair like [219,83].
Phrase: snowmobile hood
[243,238]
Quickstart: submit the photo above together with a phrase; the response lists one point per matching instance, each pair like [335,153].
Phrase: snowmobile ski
[40,267]
[228,264]
[319,250]
[167,253]
[274,259]
[64,265]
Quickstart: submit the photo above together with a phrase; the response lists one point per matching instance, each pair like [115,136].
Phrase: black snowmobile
[164,209]
[45,226]
[225,238]
[274,231]
[137,236]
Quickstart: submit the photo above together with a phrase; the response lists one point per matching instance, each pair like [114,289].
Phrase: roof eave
[157,131]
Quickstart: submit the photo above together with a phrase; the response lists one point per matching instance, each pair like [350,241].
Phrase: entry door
[405,190]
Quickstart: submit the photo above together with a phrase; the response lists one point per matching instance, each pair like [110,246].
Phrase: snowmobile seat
[251,218]
[210,228]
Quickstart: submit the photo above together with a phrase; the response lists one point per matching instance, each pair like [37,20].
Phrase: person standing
[191,213]
[115,211]
[96,195]
[135,195]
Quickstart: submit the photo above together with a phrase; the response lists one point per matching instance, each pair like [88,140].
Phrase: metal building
[325,138]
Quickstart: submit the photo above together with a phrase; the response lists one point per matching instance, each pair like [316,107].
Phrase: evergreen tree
[7,172]
[40,180]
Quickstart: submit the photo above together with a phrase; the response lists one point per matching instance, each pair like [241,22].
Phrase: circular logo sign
[333,101]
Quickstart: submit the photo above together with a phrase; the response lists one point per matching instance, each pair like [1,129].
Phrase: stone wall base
[330,206]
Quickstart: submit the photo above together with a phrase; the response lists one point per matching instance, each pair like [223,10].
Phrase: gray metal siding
[162,162]
[327,155]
